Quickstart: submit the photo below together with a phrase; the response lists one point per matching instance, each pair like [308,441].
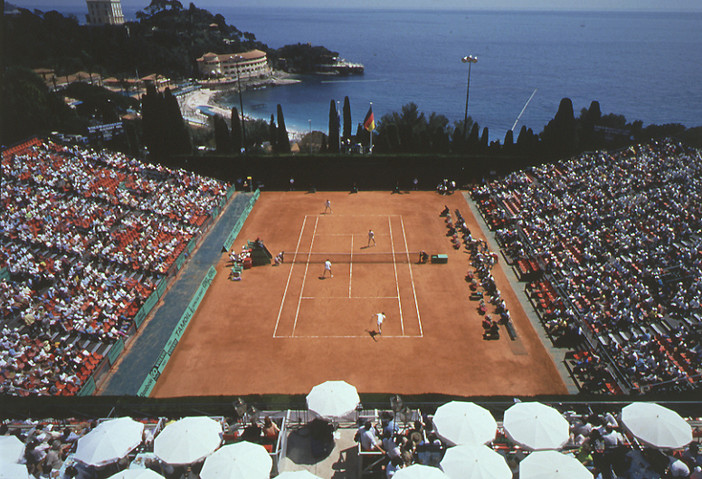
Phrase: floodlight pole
[470,59]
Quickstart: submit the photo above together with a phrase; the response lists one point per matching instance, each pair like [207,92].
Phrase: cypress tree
[273,134]
[333,142]
[559,135]
[236,131]
[152,122]
[473,138]
[283,139]
[347,118]
[222,139]
[509,139]
[484,138]
[177,140]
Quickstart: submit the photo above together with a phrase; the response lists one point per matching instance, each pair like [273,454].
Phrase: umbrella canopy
[110,441]
[333,399]
[137,474]
[188,440]
[11,449]
[296,475]
[474,462]
[657,426]
[459,422]
[552,465]
[242,460]
[9,470]
[419,471]
[536,426]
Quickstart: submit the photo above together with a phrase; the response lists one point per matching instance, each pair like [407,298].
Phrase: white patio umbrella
[536,426]
[474,462]
[656,426]
[137,474]
[333,399]
[242,460]
[296,475]
[419,471]
[109,441]
[459,422]
[10,470]
[11,449]
[552,465]
[188,440]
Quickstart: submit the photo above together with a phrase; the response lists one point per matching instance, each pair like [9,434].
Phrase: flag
[369,121]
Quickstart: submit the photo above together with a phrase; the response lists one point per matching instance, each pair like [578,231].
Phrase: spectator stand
[98,228]
[627,287]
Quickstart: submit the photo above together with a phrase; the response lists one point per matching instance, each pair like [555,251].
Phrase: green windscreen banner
[163,357]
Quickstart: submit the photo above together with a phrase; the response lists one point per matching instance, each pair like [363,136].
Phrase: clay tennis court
[283,329]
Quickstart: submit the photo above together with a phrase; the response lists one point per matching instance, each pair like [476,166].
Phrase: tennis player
[380,317]
[327,267]
[371,237]
[327,206]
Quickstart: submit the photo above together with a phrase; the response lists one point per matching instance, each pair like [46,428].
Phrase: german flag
[369,121]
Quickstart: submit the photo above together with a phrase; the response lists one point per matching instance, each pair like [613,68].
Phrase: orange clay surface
[283,329]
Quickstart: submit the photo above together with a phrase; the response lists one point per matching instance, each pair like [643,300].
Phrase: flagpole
[371,133]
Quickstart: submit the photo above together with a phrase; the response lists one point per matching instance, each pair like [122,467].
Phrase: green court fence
[150,381]
[88,388]
[115,351]
[240,222]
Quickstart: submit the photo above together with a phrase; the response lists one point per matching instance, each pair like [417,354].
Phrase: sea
[646,66]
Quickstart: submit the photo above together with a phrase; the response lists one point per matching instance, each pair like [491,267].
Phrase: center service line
[304,278]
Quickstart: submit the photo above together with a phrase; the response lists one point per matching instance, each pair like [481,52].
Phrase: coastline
[193,102]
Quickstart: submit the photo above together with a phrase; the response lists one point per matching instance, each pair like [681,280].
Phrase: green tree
[559,135]
[28,108]
[273,134]
[333,143]
[178,137]
[223,140]
[283,139]
[152,113]
[347,118]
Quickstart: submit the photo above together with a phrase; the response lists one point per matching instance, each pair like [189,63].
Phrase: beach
[198,105]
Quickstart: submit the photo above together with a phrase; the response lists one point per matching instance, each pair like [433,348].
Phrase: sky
[548,5]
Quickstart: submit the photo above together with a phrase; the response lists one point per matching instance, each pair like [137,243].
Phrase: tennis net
[374,257]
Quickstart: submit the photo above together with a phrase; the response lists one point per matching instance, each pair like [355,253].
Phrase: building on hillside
[105,12]
[251,64]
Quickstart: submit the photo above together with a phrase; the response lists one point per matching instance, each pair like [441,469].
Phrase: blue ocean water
[646,66]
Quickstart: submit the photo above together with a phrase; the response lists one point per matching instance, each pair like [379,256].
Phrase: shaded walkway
[144,349]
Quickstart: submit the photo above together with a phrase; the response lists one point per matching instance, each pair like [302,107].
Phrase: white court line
[347,337]
[287,283]
[397,284]
[352,297]
[351,267]
[346,234]
[414,292]
[304,278]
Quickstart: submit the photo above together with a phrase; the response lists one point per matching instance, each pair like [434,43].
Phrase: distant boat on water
[339,66]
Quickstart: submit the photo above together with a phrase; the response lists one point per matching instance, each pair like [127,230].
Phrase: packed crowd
[85,238]
[51,446]
[614,244]
[597,440]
